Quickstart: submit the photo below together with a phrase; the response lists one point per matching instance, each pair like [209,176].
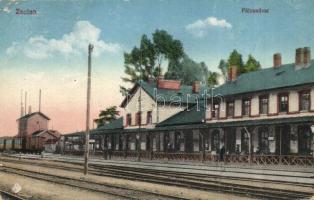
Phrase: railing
[177,156]
[257,160]
[283,160]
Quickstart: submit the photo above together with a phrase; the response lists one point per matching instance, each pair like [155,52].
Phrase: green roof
[255,122]
[193,115]
[111,127]
[267,79]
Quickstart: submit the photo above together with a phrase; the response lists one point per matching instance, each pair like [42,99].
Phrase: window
[138,118]
[263,104]
[128,119]
[246,107]
[149,119]
[230,109]
[215,111]
[283,102]
[304,101]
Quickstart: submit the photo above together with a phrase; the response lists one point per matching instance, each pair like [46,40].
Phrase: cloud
[201,26]
[6,9]
[8,5]
[73,43]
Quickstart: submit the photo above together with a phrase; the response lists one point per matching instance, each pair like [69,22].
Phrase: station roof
[269,78]
[110,127]
[193,115]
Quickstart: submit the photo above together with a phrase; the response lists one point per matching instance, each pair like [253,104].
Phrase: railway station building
[262,117]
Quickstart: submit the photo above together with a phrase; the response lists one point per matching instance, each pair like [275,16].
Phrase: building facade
[265,116]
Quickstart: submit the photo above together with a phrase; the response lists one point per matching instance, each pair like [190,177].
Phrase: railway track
[9,196]
[115,191]
[187,180]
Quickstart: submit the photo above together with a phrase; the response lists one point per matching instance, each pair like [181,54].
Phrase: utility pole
[39,102]
[25,102]
[90,49]
[140,114]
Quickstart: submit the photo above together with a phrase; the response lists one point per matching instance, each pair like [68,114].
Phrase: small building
[32,122]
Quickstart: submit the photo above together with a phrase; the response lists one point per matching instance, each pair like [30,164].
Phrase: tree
[187,71]
[235,58]
[223,67]
[212,79]
[251,65]
[146,60]
[106,116]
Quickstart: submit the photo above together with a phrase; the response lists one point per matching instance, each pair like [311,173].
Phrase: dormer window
[246,107]
[230,109]
[304,101]
[128,119]
[283,101]
[149,118]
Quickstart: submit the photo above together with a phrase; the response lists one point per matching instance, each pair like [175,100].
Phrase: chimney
[150,80]
[196,87]
[277,60]
[299,57]
[307,56]
[168,84]
[25,102]
[29,109]
[22,109]
[160,78]
[232,73]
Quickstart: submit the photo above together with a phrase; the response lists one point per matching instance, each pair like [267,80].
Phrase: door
[282,134]
[304,139]
[230,140]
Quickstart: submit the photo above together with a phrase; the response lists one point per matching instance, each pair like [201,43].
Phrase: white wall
[293,101]
[255,105]
[148,104]
[238,107]
[222,109]
[272,102]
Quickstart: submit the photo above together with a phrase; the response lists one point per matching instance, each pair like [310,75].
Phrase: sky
[47,50]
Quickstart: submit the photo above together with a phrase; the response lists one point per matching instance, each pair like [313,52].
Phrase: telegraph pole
[90,49]
[140,113]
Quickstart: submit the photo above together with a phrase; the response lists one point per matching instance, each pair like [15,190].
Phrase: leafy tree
[223,67]
[146,60]
[235,58]
[251,65]
[106,116]
[187,71]
[212,79]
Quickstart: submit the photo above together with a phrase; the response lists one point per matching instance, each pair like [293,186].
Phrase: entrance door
[304,139]
[263,143]
[230,140]
[282,140]
[188,136]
